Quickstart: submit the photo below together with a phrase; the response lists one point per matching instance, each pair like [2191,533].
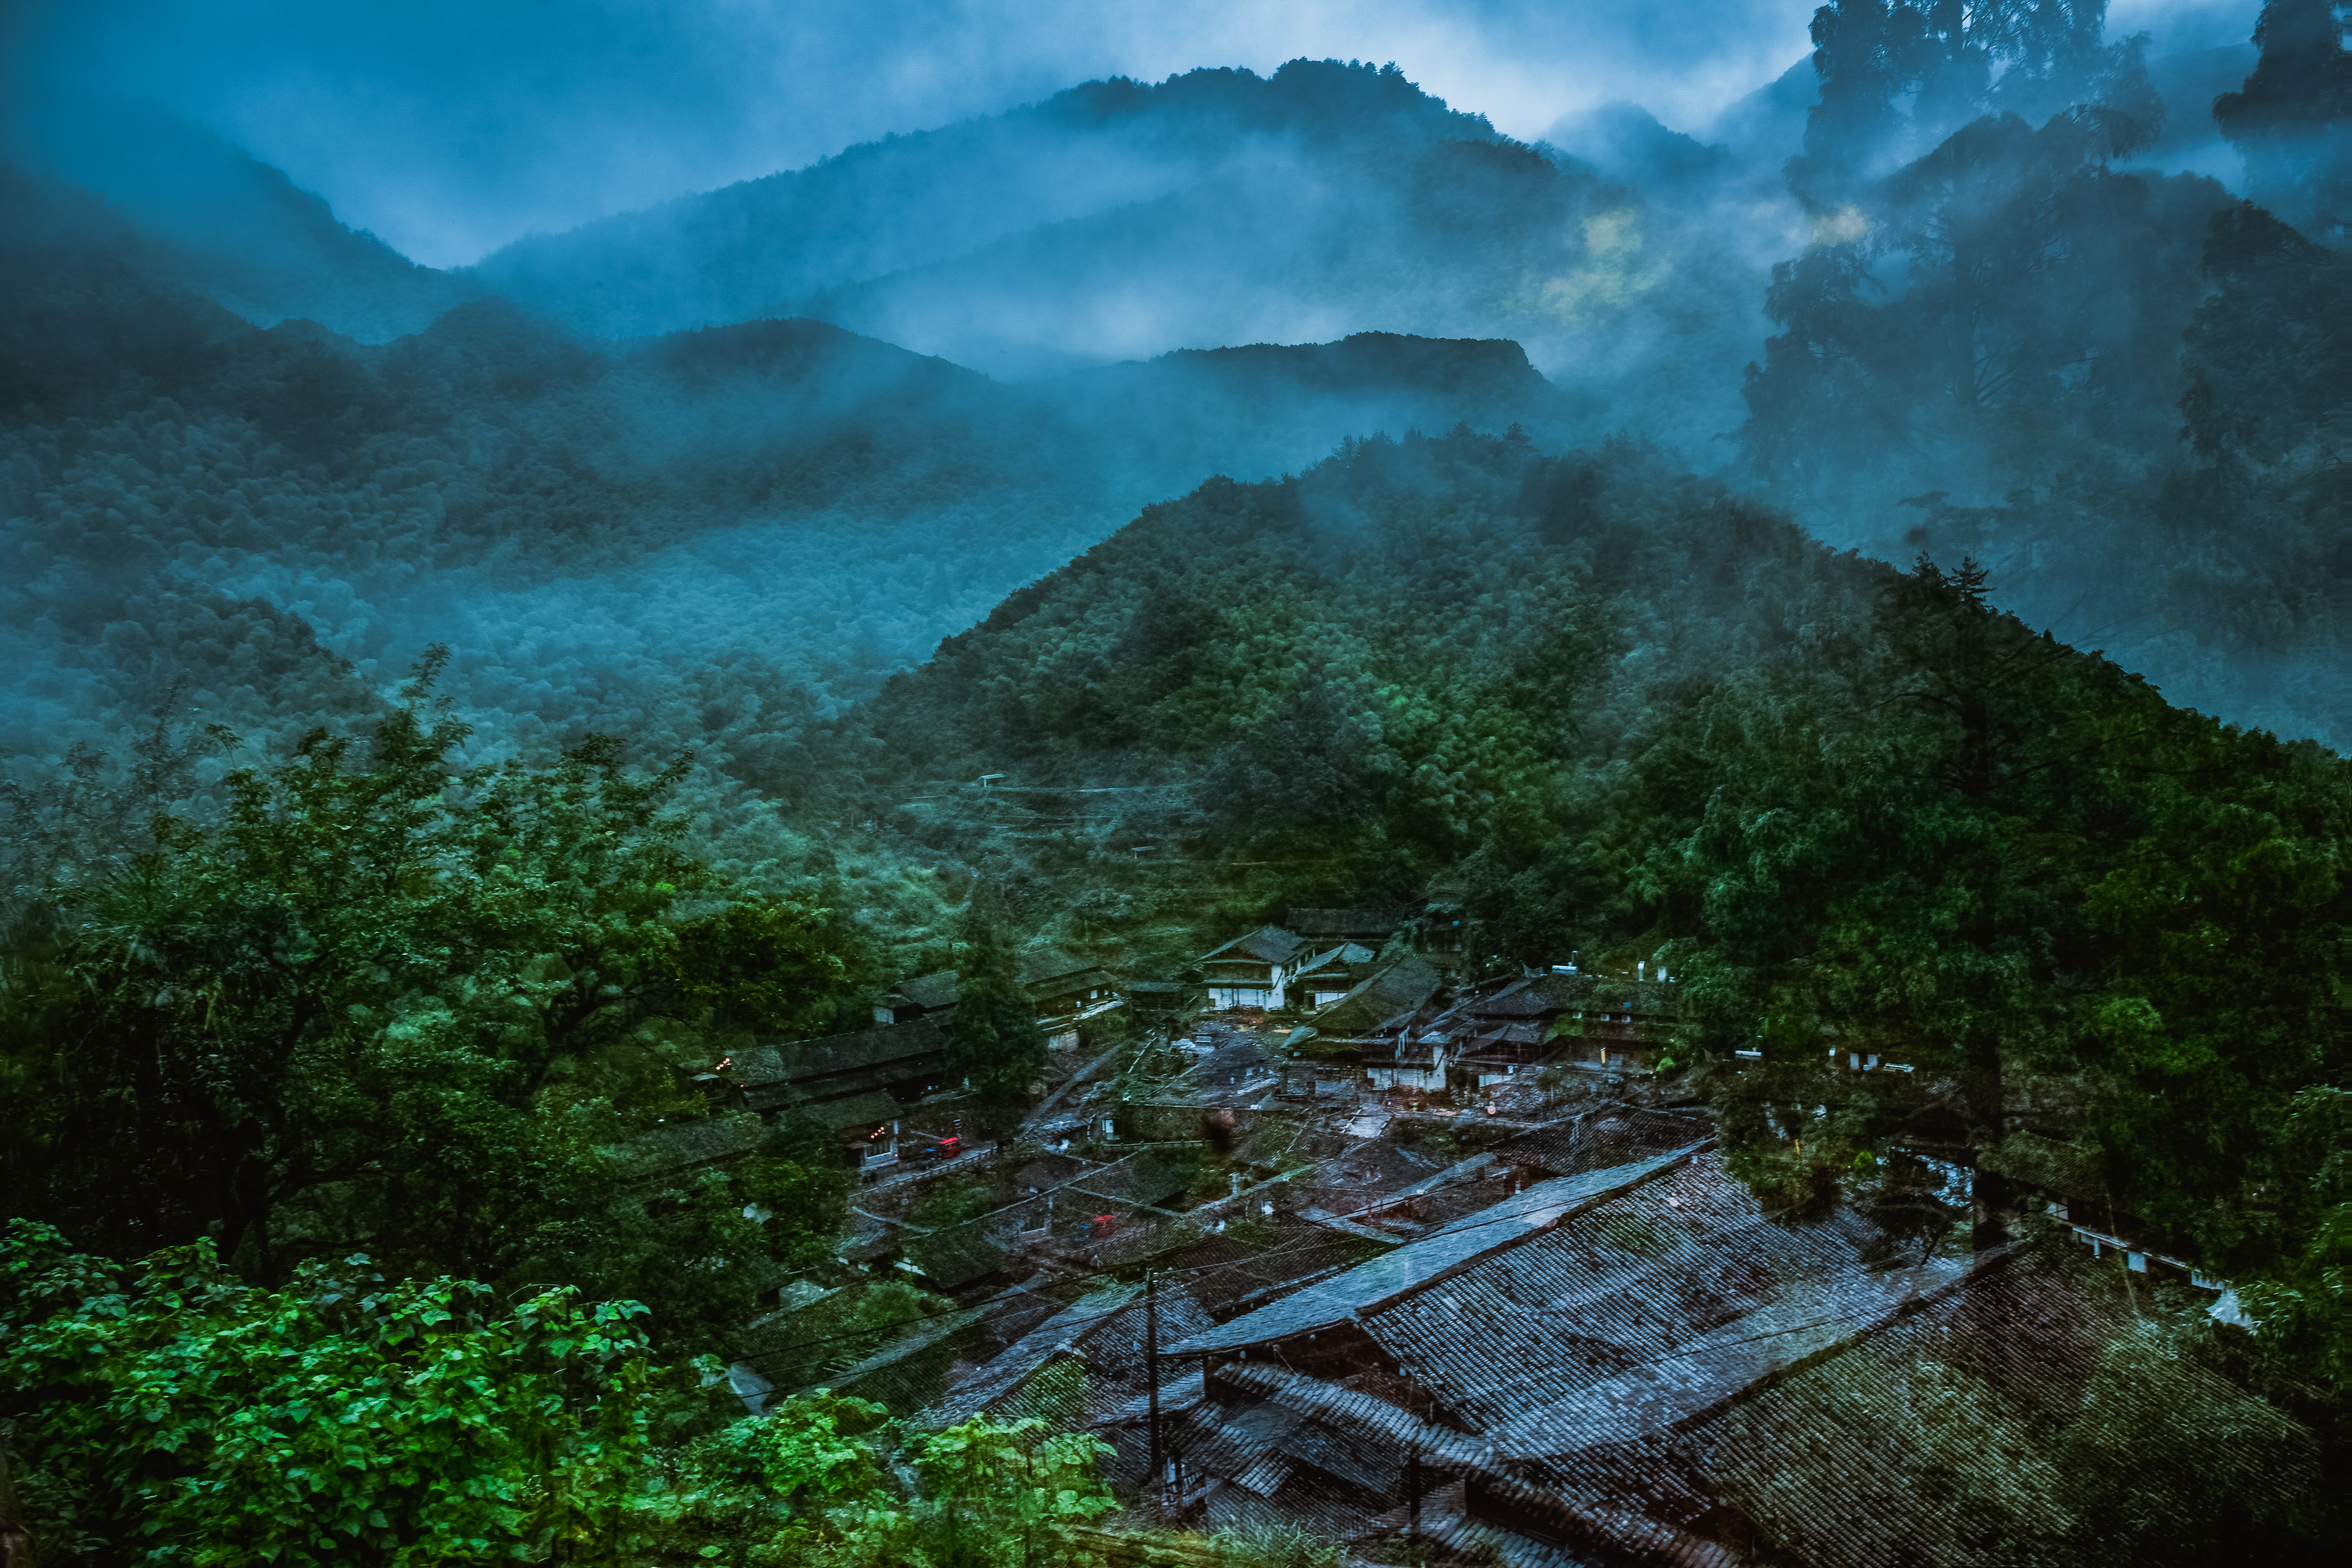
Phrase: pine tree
[994,1043]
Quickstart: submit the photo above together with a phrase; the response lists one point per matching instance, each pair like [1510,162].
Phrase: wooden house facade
[1255,970]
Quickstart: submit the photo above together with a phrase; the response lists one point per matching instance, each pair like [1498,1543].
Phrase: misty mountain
[1116,221]
[1626,143]
[908,202]
[1767,126]
[219,223]
[1120,221]
[2004,345]
[783,508]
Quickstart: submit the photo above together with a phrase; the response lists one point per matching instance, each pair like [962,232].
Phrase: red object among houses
[1104,1225]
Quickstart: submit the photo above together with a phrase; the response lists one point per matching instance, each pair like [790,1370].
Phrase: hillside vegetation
[1890,571]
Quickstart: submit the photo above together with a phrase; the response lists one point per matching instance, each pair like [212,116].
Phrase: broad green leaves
[169,1414]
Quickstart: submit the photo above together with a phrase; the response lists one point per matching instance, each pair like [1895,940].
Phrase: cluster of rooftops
[1539,1334]
[1380,988]
[1588,1342]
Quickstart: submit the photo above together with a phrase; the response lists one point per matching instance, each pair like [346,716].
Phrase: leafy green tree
[167,1412]
[826,1479]
[1867,54]
[994,1042]
[999,1494]
[2302,1300]
[393,1002]
[2219,1027]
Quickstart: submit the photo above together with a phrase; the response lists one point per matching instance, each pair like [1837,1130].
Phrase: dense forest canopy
[1888,564]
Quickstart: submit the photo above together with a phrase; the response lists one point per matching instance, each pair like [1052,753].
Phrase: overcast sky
[451,126]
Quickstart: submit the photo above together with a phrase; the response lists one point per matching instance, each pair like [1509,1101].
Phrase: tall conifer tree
[995,1042]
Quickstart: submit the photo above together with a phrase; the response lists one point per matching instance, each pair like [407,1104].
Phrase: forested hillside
[2008,340]
[1610,710]
[769,516]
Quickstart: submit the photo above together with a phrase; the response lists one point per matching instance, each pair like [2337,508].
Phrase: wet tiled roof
[1043,965]
[815,1066]
[1539,997]
[1944,1437]
[1399,988]
[902,1373]
[1416,1266]
[1594,1140]
[1002,1376]
[929,992]
[1267,944]
[679,1145]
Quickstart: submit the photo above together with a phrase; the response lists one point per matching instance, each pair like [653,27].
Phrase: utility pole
[1151,1363]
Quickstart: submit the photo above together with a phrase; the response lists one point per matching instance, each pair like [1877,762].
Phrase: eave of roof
[1419,1264]
[1267,944]
[805,1061]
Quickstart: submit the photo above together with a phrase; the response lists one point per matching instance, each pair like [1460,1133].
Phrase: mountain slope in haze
[2004,342]
[1114,221]
[1120,221]
[881,208]
[714,536]
[219,223]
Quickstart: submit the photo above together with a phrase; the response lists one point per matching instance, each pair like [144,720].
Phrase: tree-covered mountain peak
[793,351]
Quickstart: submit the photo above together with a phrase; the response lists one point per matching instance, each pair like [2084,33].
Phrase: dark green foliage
[170,1411]
[392,1002]
[2269,354]
[2292,117]
[994,1043]
[721,533]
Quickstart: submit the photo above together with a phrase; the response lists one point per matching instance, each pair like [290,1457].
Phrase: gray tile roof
[1594,1139]
[1041,966]
[1267,944]
[1399,988]
[1419,1264]
[681,1145]
[1001,1377]
[935,990]
[1944,1435]
[1537,997]
[838,1066]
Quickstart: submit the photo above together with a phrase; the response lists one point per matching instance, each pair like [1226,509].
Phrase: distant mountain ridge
[220,223]
[775,512]
[1116,221]
[881,208]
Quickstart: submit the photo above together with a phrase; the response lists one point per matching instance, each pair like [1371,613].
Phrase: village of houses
[1330,1231]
